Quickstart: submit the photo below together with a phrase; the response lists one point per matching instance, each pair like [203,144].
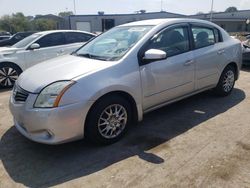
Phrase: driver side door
[173,77]
[51,45]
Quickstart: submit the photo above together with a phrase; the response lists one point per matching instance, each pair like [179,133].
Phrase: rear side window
[72,37]
[54,39]
[203,36]
[218,37]
[173,41]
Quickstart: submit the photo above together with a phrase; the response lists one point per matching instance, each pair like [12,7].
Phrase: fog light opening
[49,134]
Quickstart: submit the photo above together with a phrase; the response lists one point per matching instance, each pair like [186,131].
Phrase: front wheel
[108,120]
[8,74]
[226,82]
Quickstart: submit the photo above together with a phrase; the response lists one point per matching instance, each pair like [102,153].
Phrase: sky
[188,7]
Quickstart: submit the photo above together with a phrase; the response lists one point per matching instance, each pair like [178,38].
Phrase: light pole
[74,7]
[161,5]
[212,9]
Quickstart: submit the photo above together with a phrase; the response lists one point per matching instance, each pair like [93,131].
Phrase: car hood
[65,67]
[8,50]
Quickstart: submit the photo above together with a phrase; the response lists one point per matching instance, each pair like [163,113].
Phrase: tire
[103,125]
[8,74]
[226,82]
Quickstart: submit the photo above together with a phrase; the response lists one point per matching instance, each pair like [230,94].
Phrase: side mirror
[34,46]
[154,55]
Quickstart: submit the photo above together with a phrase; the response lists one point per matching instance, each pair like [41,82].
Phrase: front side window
[203,36]
[54,39]
[113,44]
[26,41]
[173,41]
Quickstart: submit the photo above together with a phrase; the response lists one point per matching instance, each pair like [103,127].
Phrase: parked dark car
[5,37]
[246,52]
[15,38]
[5,33]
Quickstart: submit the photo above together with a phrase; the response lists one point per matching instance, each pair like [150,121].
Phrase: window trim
[142,50]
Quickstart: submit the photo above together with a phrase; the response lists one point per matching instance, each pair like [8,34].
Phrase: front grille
[19,94]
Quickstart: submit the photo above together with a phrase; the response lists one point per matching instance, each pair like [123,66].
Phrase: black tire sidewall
[91,130]
[13,66]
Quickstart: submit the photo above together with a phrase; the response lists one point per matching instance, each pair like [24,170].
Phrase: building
[230,21]
[103,22]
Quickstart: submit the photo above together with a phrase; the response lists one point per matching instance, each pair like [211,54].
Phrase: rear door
[208,54]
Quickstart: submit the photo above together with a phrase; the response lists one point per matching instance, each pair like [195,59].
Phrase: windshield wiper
[83,55]
[91,56]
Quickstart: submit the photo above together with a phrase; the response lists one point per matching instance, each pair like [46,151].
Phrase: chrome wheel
[112,121]
[228,81]
[8,76]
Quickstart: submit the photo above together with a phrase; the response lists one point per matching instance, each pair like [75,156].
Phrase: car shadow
[245,68]
[4,90]
[37,165]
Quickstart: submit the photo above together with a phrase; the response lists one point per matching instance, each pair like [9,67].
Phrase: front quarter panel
[120,76]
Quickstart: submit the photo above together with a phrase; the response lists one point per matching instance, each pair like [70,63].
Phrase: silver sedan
[98,91]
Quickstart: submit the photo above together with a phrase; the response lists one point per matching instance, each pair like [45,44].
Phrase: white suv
[37,48]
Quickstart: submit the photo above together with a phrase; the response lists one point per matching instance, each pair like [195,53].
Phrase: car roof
[155,22]
[64,31]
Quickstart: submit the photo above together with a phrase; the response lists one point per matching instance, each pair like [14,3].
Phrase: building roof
[237,15]
[133,14]
[49,16]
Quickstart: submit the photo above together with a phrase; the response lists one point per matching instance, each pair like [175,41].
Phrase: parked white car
[127,71]
[35,49]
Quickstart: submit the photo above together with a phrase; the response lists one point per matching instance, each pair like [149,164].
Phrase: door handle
[60,51]
[189,62]
[221,51]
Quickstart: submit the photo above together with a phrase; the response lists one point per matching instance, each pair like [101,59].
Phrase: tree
[231,9]
[18,22]
[5,23]
[43,24]
[14,23]
[66,13]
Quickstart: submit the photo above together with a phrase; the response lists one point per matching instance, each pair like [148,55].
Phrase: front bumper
[51,125]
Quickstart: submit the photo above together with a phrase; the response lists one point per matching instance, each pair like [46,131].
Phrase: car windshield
[114,44]
[23,43]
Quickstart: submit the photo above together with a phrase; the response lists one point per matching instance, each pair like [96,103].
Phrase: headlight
[52,94]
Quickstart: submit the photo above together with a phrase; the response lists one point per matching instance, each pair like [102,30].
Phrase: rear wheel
[226,82]
[8,74]
[108,120]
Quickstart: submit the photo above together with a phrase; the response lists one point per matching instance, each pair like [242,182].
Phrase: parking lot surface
[202,141]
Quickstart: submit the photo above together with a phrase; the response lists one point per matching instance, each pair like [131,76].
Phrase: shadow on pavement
[36,165]
[4,90]
[245,68]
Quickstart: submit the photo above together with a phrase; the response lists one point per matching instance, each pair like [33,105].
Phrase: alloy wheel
[8,76]
[112,121]
[228,81]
